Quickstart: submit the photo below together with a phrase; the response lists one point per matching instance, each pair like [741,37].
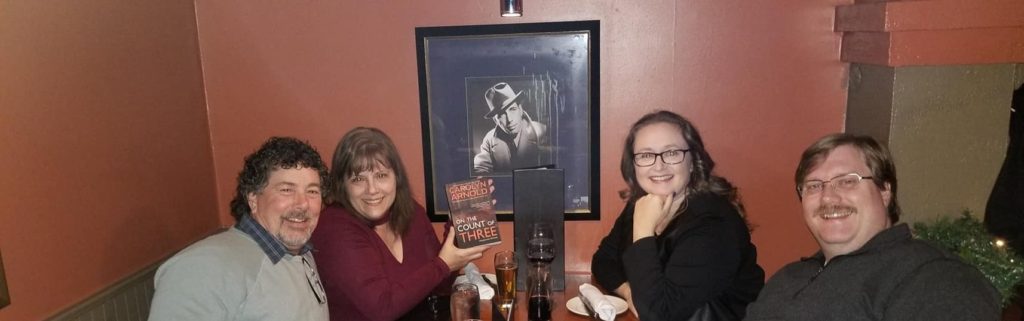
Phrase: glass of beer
[505,267]
[465,303]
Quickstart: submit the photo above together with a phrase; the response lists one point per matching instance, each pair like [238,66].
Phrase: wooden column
[933,79]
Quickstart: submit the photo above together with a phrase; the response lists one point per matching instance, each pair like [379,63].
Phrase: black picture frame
[551,70]
[5,296]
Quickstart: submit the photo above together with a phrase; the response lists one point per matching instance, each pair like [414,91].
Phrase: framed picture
[5,297]
[495,98]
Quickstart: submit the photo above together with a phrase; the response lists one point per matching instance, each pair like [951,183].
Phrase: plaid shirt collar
[270,245]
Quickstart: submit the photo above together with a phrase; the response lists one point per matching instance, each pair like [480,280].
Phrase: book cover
[472,213]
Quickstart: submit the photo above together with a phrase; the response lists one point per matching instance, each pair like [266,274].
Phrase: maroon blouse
[363,280]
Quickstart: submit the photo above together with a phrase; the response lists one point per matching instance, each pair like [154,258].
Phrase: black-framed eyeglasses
[845,182]
[669,157]
[314,282]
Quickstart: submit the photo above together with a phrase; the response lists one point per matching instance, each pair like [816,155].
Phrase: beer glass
[506,267]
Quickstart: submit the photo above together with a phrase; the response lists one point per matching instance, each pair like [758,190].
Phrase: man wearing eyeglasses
[868,267]
[262,268]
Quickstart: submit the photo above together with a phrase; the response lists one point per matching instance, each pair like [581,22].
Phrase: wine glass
[541,246]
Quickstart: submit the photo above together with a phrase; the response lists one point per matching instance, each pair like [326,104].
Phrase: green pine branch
[967,237]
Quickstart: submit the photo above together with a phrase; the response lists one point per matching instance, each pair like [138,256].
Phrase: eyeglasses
[845,182]
[669,157]
[314,282]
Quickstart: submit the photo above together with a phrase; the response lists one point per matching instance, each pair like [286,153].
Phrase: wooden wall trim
[126,300]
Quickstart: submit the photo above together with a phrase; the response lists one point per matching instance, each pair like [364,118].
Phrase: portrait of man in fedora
[516,141]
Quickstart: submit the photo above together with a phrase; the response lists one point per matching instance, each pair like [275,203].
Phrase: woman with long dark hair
[376,250]
[681,247]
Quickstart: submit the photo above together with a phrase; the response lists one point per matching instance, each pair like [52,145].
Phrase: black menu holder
[539,196]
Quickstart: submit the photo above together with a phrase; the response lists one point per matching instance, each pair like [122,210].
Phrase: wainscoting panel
[127,300]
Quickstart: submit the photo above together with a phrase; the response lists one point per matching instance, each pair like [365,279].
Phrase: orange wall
[106,162]
[762,79]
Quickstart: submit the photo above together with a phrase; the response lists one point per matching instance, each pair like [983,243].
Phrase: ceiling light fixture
[511,8]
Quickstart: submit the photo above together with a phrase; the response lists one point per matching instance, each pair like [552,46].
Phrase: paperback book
[472,213]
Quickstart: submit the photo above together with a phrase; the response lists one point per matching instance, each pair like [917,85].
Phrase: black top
[892,277]
[1004,213]
[703,256]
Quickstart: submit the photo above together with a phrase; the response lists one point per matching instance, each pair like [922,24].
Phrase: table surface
[558,310]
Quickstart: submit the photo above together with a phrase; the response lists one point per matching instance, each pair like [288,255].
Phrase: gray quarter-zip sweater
[892,277]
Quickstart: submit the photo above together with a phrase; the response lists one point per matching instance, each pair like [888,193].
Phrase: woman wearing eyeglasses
[376,251]
[680,249]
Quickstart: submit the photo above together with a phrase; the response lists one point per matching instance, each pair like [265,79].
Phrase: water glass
[465,302]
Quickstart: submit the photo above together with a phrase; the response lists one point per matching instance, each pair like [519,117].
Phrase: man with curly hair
[262,268]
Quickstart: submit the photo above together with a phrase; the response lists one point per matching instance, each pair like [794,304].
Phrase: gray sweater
[892,277]
[228,277]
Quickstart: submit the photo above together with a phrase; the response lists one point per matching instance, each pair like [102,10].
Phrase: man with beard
[868,267]
[262,268]
[516,141]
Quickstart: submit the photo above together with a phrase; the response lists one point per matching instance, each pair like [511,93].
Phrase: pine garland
[967,237]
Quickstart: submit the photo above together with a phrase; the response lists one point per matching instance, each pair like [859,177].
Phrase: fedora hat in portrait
[500,97]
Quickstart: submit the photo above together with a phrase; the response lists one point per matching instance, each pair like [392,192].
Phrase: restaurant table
[489,312]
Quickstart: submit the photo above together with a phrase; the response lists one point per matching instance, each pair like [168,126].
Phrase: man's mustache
[829,209]
[300,215]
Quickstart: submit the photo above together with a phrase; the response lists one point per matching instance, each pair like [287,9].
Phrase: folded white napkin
[472,275]
[604,308]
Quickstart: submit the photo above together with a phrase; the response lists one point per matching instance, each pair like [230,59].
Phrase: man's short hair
[276,153]
[876,157]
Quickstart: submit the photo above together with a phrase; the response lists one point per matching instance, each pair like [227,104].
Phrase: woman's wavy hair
[363,149]
[702,178]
